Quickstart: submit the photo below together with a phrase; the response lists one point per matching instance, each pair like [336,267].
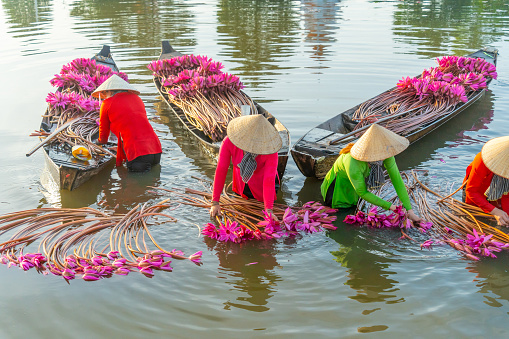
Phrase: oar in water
[392,116]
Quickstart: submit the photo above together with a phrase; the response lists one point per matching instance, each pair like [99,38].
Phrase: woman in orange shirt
[487,180]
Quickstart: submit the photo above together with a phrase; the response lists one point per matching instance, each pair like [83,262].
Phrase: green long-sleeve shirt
[350,183]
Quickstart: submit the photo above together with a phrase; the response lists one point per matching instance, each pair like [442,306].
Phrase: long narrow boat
[65,170]
[315,155]
[212,148]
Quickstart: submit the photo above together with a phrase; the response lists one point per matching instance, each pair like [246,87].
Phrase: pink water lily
[147,271]
[196,257]
[227,231]
[166,266]
[427,244]
[122,271]
[68,274]
[112,255]
[119,262]
[90,277]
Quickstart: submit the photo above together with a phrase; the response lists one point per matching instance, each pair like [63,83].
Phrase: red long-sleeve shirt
[124,114]
[478,180]
[261,184]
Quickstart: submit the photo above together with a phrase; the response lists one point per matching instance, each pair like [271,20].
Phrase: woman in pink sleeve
[251,146]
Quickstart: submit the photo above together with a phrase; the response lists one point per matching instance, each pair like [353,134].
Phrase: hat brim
[254,134]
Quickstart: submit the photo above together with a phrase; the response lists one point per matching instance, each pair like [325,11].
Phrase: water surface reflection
[368,262]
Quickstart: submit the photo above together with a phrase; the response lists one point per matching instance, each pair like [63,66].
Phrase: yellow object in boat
[81,153]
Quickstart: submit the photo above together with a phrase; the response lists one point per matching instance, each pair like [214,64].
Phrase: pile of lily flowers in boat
[185,75]
[311,218]
[76,82]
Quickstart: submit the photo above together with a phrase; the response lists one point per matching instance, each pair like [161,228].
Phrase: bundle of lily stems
[245,220]
[208,97]
[92,244]
[73,103]
[449,221]
[88,243]
[427,98]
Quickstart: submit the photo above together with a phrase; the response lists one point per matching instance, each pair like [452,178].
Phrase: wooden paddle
[50,137]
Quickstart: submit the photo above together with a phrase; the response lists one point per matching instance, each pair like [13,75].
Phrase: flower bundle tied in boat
[428,97]
[73,101]
[208,97]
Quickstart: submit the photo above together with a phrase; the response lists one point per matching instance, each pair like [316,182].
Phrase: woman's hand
[272,214]
[215,209]
[501,216]
[392,208]
[412,216]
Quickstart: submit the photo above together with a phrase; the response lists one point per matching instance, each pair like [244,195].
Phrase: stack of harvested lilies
[208,97]
[91,244]
[448,221]
[73,101]
[245,220]
[87,243]
[427,98]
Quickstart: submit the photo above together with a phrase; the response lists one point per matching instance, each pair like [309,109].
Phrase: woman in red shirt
[251,145]
[123,113]
[487,180]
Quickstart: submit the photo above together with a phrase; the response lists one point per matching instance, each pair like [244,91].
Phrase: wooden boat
[212,148]
[314,155]
[65,170]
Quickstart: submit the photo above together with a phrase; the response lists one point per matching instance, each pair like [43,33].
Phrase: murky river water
[304,61]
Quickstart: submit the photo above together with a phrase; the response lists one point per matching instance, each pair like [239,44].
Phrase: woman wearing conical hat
[346,181]
[123,113]
[251,145]
[487,180]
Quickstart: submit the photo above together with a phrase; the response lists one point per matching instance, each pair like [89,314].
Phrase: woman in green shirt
[346,182]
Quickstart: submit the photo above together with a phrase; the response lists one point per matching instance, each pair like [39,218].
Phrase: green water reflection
[24,13]
[453,26]
[141,23]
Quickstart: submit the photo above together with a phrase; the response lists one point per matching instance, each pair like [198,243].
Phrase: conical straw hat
[114,83]
[254,134]
[495,155]
[378,143]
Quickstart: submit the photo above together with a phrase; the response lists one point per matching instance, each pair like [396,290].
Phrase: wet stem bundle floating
[426,98]
[448,221]
[208,97]
[75,243]
[245,220]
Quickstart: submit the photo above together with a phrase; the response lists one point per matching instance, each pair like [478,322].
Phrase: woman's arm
[397,182]
[474,189]
[223,163]
[104,126]
[269,180]
[354,172]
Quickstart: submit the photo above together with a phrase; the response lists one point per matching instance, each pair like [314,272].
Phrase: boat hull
[66,171]
[314,157]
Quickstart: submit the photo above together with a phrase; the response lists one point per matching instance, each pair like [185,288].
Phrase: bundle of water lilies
[398,219]
[208,97]
[436,92]
[245,220]
[87,243]
[464,227]
[73,101]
